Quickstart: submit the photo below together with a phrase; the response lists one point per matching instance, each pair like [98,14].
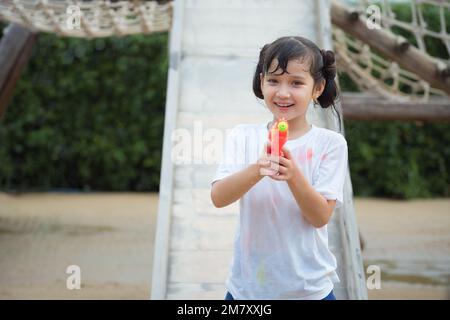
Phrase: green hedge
[87,115]
[399,159]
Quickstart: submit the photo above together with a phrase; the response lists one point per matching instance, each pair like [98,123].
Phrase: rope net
[418,24]
[89,19]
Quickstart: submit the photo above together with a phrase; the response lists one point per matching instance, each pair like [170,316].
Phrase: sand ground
[110,236]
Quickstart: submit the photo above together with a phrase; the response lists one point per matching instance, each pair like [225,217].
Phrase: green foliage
[399,159]
[87,114]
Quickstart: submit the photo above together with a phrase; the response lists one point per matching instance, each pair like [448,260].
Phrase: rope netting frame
[418,26]
[371,72]
[89,19]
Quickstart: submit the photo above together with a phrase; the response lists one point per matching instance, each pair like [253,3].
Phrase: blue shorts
[330,296]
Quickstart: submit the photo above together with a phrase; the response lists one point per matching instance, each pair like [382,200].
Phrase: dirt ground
[410,242]
[109,236]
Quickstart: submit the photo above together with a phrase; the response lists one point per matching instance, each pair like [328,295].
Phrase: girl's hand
[286,166]
[266,167]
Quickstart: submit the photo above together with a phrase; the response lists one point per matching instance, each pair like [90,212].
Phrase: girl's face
[288,95]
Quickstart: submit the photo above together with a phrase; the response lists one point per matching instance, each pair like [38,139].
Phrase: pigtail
[259,69]
[330,91]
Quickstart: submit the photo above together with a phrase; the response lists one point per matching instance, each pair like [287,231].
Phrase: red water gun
[278,135]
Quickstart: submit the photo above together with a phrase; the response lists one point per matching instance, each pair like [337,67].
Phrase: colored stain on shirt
[324,157]
[260,274]
[309,154]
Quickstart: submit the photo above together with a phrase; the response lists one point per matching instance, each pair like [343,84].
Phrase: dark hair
[322,65]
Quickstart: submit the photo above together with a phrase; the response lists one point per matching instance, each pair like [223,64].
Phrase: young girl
[281,244]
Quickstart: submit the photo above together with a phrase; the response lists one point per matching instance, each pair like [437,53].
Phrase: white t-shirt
[278,254]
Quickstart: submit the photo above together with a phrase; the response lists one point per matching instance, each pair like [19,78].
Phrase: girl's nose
[283,92]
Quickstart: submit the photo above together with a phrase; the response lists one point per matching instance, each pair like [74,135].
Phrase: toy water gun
[278,135]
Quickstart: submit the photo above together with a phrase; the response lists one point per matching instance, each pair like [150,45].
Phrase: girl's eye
[297,83]
[272,81]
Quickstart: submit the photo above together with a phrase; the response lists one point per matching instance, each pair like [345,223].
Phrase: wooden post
[358,106]
[15,49]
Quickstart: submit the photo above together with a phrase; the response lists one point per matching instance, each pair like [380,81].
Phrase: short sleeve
[332,172]
[229,162]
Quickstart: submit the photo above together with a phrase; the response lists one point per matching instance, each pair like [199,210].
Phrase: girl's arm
[233,187]
[315,208]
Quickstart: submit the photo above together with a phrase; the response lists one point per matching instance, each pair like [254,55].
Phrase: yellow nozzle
[283,126]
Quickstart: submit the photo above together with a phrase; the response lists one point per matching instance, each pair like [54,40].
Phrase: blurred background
[80,160]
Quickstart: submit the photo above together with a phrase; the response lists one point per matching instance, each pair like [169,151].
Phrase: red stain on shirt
[309,154]
[324,156]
